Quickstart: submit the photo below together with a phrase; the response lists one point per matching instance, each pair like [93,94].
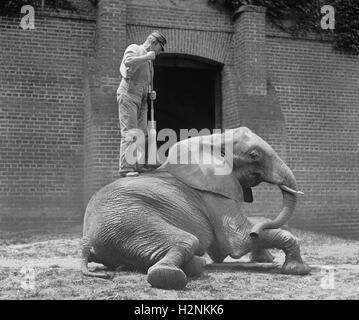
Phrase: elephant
[163,222]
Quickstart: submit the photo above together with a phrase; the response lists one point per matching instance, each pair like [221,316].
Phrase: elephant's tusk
[285,188]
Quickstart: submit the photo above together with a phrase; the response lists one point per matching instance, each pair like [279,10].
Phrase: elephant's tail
[85,259]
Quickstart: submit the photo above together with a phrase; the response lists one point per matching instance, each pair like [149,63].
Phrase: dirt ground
[47,266]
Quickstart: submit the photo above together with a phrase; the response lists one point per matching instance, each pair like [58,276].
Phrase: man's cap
[160,38]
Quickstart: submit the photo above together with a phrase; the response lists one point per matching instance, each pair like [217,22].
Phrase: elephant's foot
[261,256]
[166,276]
[194,267]
[166,273]
[293,262]
[296,268]
[86,272]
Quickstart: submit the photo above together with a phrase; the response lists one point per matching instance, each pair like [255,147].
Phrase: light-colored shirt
[137,73]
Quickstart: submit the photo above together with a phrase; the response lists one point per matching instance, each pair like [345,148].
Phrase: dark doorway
[188,94]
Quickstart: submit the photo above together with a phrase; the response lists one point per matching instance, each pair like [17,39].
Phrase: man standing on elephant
[135,88]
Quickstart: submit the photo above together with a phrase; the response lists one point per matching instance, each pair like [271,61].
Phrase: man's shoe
[128,173]
[132,174]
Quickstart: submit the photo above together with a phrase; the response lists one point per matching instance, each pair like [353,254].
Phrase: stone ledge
[248,8]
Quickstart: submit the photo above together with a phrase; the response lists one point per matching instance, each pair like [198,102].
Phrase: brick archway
[214,46]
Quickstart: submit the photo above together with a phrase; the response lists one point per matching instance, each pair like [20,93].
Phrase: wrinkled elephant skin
[163,222]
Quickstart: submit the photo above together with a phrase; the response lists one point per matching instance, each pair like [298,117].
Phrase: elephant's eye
[254,155]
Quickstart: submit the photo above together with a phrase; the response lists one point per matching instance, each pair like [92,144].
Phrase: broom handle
[151,89]
[152,111]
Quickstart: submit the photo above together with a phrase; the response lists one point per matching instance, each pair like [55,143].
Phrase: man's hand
[153,95]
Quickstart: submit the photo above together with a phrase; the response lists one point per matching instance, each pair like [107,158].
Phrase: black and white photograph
[194,151]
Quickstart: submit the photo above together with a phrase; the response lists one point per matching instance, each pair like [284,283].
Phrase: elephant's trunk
[285,180]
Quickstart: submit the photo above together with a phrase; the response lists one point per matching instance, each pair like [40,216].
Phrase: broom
[152,134]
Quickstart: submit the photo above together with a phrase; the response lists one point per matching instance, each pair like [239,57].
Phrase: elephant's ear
[199,163]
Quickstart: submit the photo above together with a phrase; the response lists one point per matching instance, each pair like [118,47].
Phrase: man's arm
[132,61]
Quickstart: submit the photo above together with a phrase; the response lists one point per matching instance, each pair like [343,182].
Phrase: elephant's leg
[167,272]
[284,240]
[93,257]
[106,264]
[261,255]
[89,256]
[194,267]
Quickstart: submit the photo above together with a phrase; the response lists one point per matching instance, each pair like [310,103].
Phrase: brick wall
[41,119]
[318,93]
[102,137]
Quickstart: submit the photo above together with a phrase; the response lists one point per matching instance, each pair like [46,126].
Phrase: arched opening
[188,93]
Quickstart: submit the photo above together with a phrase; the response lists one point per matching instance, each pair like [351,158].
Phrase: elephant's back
[151,188]
[152,194]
